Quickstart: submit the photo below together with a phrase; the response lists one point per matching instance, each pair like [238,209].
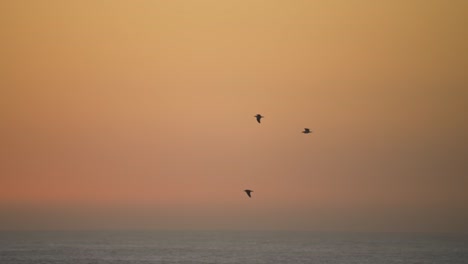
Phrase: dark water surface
[230,247]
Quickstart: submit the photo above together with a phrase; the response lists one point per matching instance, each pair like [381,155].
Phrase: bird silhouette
[248,192]
[259,117]
[306,131]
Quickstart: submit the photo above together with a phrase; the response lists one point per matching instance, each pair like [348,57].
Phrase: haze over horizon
[139,115]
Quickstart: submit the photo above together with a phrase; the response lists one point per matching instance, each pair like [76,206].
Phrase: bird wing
[259,118]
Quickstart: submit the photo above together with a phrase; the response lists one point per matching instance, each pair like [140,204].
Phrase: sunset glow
[140,114]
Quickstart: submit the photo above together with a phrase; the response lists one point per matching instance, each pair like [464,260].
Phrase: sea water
[137,247]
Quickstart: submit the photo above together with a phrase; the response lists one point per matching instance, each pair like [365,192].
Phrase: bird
[248,192]
[258,116]
[306,131]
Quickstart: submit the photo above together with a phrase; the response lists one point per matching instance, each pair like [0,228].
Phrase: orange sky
[139,114]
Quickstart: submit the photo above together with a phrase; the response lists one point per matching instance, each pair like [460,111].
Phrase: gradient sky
[139,114]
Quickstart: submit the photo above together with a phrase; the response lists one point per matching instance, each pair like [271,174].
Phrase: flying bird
[248,192]
[306,131]
[258,116]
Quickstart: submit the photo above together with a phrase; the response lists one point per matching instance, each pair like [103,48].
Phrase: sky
[140,115]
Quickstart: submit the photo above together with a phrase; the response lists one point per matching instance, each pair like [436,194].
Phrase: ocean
[103,247]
